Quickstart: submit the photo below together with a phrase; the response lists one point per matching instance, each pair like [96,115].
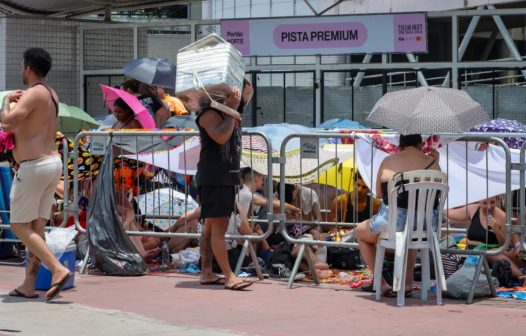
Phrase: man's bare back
[35,135]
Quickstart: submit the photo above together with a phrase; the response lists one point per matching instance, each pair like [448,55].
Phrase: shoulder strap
[128,121]
[52,98]
[429,165]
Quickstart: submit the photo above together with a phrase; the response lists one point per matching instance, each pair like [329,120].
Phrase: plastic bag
[459,284]
[187,257]
[58,240]
[111,250]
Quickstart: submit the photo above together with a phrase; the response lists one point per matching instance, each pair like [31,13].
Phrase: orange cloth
[129,174]
[175,105]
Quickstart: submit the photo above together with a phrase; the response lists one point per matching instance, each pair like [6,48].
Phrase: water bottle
[165,254]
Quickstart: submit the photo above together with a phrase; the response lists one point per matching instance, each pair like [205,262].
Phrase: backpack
[343,258]
[233,257]
[281,255]
[502,271]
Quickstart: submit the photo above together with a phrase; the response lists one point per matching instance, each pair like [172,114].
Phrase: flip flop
[368,288]
[240,285]
[58,287]
[409,293]
[390,293]
[218,281]
[15,292]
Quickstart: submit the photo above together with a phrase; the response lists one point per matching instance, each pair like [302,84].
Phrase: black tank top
[350,216]
[218,164]
[403,196]
[477,232]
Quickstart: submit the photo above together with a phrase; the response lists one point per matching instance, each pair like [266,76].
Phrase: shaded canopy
[76,8]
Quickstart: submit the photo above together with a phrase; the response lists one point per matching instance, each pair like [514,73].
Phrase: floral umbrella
[165,202]
[504,126]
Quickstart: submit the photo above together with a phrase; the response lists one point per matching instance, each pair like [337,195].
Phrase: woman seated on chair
[487,226]
[410,157]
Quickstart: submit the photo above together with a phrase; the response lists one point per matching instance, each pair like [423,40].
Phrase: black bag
[233,257]
[111,250]
[343,258]
[502,271]
[281,255]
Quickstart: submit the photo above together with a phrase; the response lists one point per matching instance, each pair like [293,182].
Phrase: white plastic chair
[423,187]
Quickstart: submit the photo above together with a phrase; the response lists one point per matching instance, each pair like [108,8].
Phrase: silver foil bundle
[208,67]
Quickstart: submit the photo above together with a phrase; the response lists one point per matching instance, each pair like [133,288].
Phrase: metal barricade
[7,226]
[309,150]
[150,147]
[310,145]
[4,226]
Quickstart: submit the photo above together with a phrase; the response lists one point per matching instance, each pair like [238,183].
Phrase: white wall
[227,9]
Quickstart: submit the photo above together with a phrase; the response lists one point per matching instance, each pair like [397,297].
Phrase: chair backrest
[426,192]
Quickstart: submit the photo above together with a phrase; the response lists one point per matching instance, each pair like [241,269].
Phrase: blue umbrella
[341,124]
[504,126]
[278,132]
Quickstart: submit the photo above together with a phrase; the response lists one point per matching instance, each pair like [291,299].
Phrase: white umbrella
[165,202]
[428,110]
[183,159]
[297,169]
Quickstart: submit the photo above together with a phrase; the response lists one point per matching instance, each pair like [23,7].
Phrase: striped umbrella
[428,110]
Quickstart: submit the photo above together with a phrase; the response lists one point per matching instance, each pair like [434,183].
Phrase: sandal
[16,293]
[56,288]
[240,285]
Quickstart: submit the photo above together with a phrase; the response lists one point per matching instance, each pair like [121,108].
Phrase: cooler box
[68,259]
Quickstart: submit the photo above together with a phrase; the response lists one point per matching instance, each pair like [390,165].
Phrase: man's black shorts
[217,201]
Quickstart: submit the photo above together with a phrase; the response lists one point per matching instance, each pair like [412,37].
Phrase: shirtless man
[33,121]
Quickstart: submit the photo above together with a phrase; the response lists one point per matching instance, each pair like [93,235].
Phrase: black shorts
[217,201]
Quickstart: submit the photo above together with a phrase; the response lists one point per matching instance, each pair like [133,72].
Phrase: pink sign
[410,33]
[237,33]
[328,35]
[320,35]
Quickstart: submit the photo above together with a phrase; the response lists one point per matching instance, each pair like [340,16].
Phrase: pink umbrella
[110,95]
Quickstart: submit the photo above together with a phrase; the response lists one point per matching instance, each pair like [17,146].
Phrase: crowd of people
[228,195]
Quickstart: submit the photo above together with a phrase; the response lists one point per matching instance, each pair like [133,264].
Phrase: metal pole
[359,77]
[507,37]
[421,79]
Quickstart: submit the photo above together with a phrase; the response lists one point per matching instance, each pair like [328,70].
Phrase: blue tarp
[278,132]
[341,124]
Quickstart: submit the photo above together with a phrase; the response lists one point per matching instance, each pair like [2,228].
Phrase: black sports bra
[477,232]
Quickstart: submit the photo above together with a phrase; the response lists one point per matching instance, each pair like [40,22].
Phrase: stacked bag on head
[208,67]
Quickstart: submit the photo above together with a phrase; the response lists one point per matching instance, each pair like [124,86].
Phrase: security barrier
[146,163]
[311,146]
[309,165]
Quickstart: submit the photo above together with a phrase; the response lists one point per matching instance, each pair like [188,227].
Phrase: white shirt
[244,199]
[308,198]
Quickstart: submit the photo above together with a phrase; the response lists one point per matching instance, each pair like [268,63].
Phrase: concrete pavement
[34,317]
[176,304]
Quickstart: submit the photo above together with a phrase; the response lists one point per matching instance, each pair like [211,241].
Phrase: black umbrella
[152,70]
